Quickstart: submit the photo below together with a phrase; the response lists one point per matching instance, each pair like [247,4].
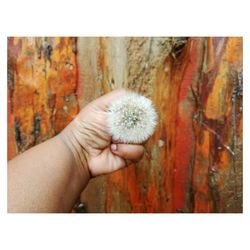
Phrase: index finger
[104,101]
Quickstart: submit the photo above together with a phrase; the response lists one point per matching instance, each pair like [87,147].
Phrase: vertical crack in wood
[237,94]
[36,127]
[18,135]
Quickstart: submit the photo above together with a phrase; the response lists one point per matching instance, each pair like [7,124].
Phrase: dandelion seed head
[131,118]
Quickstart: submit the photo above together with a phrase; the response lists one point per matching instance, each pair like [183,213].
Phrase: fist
[91,142]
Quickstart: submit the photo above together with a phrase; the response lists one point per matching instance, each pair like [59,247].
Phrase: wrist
[77,151]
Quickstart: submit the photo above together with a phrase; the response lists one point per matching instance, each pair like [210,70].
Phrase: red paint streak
[202,199]
[184,140]
[184,133]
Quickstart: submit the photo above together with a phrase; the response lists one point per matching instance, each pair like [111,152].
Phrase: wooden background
[193,162]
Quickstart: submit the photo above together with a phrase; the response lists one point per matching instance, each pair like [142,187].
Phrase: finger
[106,100]
[131,152]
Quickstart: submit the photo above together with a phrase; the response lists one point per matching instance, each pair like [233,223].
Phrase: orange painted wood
[193,162]
[42,81]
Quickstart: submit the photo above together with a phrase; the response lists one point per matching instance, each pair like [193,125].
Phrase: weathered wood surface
[42,82]
[193,162]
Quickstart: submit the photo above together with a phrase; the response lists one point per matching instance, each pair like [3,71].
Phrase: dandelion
[131,118]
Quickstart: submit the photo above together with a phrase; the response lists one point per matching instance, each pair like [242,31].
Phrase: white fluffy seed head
[131,118]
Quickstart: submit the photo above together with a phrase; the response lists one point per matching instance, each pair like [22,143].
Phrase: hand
[88,138]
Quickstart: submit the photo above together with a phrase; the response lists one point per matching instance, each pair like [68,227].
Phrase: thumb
[131,152]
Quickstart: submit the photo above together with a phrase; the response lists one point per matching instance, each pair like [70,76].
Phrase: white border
[117,231]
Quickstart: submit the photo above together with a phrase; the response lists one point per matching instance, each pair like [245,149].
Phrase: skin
[50,176]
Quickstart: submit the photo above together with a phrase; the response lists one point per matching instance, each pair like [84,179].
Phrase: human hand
[92,146]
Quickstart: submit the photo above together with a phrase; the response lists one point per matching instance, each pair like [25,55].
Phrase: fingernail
[113,147]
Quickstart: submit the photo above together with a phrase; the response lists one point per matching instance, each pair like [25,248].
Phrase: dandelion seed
[131,118]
